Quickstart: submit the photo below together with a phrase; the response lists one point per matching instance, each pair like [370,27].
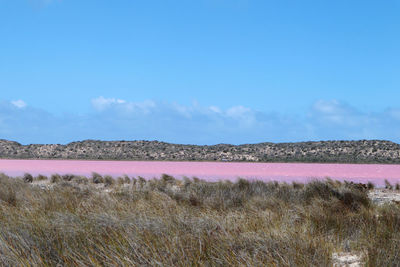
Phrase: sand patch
[381,196]
[348,259]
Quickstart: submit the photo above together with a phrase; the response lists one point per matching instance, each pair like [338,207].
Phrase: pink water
[287,172]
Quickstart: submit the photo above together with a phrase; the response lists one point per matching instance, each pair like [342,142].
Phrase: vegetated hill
[363,151]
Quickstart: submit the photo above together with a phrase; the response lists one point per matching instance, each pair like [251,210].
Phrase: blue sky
[199,72]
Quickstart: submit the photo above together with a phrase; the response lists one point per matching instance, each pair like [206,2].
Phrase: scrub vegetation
[362,151]
[79,221]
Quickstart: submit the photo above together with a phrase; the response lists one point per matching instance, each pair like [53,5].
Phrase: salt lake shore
[98,220]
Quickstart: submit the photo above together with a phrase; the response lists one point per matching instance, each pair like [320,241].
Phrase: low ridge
[363,151]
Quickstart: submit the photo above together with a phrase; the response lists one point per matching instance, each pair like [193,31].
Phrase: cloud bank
[119,119]
[19,103]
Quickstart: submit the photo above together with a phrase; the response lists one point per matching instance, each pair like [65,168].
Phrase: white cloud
[102,103]
[19,103]
[329,107]
[245,116]
[116,119]
[214,109]
[393,113]
[334,112]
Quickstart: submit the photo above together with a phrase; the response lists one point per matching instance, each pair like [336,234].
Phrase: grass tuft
[97,178]
[55,178]
[108,180]
[388,185]
[191,222]
[41,177]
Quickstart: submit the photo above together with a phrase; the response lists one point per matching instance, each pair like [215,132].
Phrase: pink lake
[284,172]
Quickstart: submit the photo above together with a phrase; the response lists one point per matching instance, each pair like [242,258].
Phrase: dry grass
[80,222]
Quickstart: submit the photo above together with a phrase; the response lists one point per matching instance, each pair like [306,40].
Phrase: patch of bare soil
[43,184]
[381,196]
[348,259]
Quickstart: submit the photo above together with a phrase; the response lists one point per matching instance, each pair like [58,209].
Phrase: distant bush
[297,185]
[127,180]
[370,186]
[120,180]
[80,179]
[68,177]
[28,178]
[55,178]
[141,181]
[108,180]
[41,177]
[388,185]
[97,178]
[167,178]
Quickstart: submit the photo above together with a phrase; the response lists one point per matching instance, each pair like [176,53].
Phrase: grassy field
[76,221]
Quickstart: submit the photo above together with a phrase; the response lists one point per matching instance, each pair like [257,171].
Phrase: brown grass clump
[127,180]
[108,180]
[68,177]
[97,178]
[55,178]
[120,181]
[388,185]
[190,222]
[41,177]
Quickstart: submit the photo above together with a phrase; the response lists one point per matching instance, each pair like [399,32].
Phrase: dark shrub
[194,200]
[127,180]
[354,199]
[68,177]
[141,181]
[370,186]
[55,178]
[243,184]
[41,177]
[108,180]
[297,185]
[28,178]
[318,189]
[97,178]
[167,178]
[120,180]
[81,179]
[388,185]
